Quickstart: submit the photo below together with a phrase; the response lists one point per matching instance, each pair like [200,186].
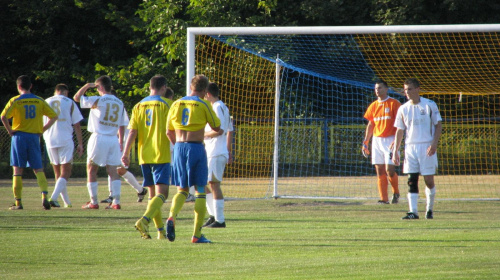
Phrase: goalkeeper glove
[365,150]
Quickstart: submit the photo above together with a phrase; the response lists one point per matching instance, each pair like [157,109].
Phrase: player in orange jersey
[381,115]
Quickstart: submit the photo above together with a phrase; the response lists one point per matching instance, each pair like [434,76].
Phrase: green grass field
[265,239]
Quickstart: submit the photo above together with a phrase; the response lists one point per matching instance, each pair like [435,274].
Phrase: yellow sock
[42,183]
[158,220]
[177,203]
[154,206]
[17,188]
[200,210]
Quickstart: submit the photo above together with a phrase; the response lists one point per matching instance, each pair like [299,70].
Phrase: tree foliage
[74,41]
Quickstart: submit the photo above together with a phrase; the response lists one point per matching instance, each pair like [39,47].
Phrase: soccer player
[59,141]
[421,120]
[381,115]
[218,156]
[186,127]
[148,124]
[26,111]
[106,119]
[124,173]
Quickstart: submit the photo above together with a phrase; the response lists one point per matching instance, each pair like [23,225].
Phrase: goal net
[297,97]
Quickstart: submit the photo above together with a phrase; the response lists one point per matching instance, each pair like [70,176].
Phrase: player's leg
[382,183]
[200,210]
[429,167]
[92,186]
[17,187]
[129,178]
[218,197]
[18,160]
[412,168]
[116,186]
[430,194]
[379,154]
[393,178]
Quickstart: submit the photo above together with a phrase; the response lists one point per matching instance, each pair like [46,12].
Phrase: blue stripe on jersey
[154,98]
[29,95]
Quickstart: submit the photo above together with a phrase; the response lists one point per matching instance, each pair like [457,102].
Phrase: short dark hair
[213,89]
[24,81]
[61,87]
[412,81]
[199,83]
[157,82]
[382,82]
[105,82]
[169,93]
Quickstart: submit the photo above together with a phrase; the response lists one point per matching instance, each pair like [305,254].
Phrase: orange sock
[383,183]
[394,180]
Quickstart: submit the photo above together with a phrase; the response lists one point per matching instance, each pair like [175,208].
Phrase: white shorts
[216,167]
[381,153]
[104,150]
[61,155]
[417,161]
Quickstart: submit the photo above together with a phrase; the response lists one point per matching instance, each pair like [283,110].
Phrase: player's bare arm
[78,131]
[398,139]
[437,134]
[132,134]
[82,91]
[49,123]
[7,126]
[213,133]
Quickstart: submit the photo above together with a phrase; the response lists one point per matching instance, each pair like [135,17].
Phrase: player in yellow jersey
[148,124]
[186,128]
[26,111]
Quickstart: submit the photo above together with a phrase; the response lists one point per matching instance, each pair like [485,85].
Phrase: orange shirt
[383,115]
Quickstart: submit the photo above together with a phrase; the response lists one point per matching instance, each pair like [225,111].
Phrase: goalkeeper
[381,115]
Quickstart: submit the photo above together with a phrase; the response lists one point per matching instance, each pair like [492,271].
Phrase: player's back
[61,132]
[149,118]
[106,115]
[27,111]
[192,113]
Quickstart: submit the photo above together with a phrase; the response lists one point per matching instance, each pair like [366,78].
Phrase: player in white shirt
[124,173]
[59,141]
[106,120]
[421,120]
[218,156]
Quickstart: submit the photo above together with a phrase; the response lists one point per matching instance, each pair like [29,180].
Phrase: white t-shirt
[61,132]
[107,116]
[418,120]
[217,146]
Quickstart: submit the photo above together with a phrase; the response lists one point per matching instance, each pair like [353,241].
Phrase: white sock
[65,196]
[219,210]
[92,187]
[109,187]
[116,189]
[60,185]
[210,204]
[131,180]
[192,191]
[412,202]
[430,194]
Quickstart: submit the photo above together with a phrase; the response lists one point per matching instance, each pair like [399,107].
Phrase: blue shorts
[25,148]
[190,164]
[155,174]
